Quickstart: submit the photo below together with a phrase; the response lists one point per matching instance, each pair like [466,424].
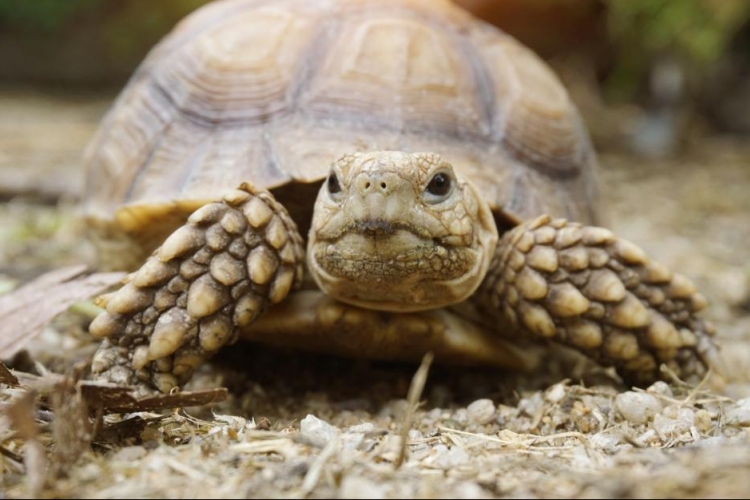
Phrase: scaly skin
[215,274]
[585,288]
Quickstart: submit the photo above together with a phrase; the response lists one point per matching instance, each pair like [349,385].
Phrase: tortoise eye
[440,184]
[333,184]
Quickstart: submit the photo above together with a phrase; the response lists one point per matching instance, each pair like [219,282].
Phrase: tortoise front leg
[218,272]
[585,288]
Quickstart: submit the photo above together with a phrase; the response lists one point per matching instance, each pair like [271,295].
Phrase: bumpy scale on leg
[215,274]
[584,287]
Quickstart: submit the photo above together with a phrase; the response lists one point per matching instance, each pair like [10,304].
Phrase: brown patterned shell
[271,91]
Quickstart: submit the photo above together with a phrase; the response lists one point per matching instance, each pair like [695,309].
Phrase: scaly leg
[585,288]
[218,272]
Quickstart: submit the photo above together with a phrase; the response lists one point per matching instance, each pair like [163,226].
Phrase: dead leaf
[120,432]
[24,312]
[43,384]
[21,414]
[7,377]
[71,425]
[119,399]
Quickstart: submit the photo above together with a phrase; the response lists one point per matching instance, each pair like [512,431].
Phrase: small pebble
[362,428]
[460,416]
[703,420]
[317,432]
[469,489]
[352,441]
[531,405]
[604,441]
[452,458]
[555,394]
[481,411]
[89,473]
[415,434]
[359,487]
[660,387]
[129,454]
[637,407]
[740,415]
[673,422]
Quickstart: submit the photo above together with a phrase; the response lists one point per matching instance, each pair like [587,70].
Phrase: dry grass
[568,440]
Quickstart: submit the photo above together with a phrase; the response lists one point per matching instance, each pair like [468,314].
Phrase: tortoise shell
[272,91]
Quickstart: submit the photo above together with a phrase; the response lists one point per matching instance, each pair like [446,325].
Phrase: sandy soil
[315,426]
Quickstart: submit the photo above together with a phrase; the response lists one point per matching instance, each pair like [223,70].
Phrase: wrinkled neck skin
[399,232]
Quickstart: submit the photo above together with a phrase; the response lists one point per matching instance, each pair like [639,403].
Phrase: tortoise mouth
[380,228]
[393,253]
[375,227]
[379,266]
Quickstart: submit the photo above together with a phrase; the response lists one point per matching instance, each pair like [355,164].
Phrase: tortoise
[456,210]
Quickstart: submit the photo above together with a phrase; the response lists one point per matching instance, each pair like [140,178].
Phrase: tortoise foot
[584,287]
[218,272]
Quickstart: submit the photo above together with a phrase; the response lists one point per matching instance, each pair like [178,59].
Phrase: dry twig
[415,392]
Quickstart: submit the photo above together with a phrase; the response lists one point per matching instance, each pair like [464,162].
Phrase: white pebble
[415,434]
[352,441]
[317,432]
[660,387]
[637,407]
[129,454]
[555,394]
[469,489]
[740,415]
[604,441]
[452,458]
[461,416]
[531,405]
[359,487]
[481,411]
[362,428]
[703,420]
[647,437]
[671,427]
[88,473]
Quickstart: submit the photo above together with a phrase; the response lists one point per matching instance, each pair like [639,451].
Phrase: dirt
[316,426]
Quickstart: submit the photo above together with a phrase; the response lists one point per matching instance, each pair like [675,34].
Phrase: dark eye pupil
[439,185]
[333,184]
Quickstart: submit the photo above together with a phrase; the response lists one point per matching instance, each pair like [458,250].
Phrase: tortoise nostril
[375,184]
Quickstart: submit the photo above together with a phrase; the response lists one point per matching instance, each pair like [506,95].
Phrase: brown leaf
[21,414]
[7,377]
[24,312]
[71,425]
[119,399]
[131,428]
[43,384]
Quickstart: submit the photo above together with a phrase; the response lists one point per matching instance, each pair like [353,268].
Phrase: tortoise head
[400,232]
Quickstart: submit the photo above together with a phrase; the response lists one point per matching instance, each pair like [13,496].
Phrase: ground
[297,425]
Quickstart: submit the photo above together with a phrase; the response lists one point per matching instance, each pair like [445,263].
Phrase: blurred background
[649,75]
[692,54]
